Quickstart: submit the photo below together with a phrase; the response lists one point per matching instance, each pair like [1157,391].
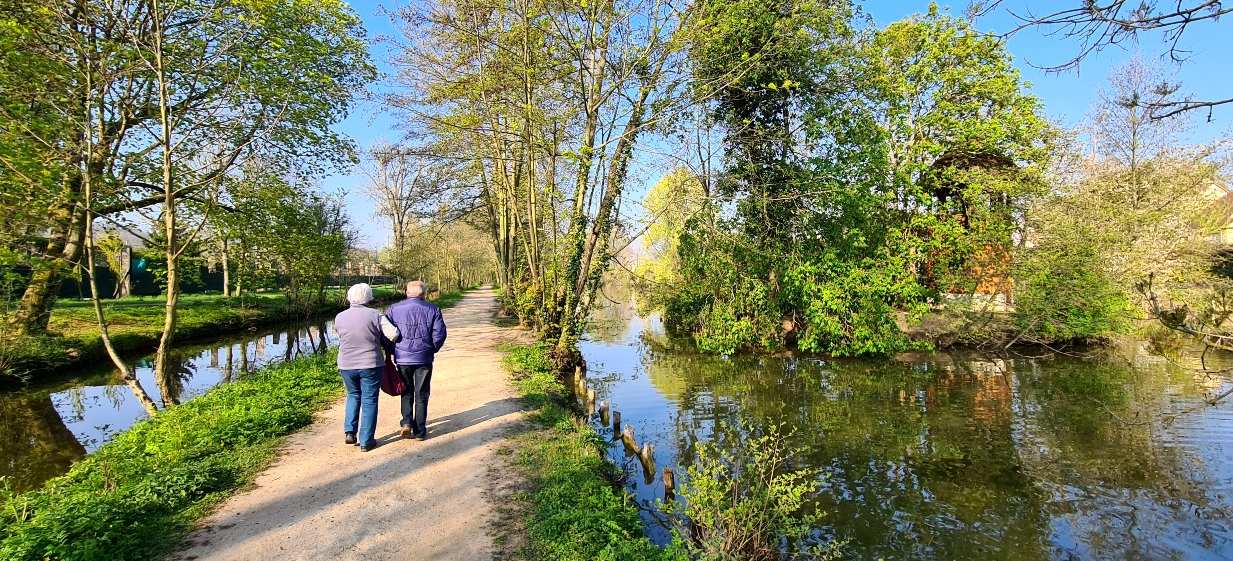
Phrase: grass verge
[139,495]
[576,513]
[136,324]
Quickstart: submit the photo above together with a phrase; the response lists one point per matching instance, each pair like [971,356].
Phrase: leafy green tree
[286,229]
[675,200]
[158,97]
[867,174]
[1138,204]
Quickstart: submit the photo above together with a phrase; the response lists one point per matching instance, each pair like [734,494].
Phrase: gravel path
[405,500]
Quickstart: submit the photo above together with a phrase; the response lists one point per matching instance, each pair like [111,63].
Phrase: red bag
[391,380]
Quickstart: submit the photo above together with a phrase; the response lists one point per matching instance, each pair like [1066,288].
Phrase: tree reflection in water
[952,456]
[48,428]
[34,441]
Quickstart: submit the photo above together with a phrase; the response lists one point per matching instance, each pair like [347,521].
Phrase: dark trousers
[418,378]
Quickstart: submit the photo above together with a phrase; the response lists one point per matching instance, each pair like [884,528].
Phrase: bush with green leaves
[1066,294]
[749,504]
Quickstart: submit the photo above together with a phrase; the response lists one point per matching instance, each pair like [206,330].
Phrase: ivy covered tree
[866,173]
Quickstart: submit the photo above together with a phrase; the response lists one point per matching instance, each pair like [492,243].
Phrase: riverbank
[573,510]
[405,499]
[135,325]
[138,495]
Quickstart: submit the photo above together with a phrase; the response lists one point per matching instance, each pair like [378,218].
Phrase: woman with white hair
[363,333]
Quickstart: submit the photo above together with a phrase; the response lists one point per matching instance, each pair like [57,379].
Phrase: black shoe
[369,447]
[350,439]
[422,437]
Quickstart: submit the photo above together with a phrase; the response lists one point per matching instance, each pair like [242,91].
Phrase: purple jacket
[422,329]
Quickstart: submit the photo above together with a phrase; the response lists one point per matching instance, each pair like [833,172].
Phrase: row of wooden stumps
[646,454]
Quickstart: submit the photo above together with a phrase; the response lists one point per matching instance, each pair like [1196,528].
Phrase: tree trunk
[226,272]
[162,357]
[126,373]
[64,247]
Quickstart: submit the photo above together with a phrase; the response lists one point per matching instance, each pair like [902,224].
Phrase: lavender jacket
[362,332]
[422,329]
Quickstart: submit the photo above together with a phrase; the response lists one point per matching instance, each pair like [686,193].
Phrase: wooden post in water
[603,412]
[580,381]
[669,484]
[647,458]
[616,424]
[627,435]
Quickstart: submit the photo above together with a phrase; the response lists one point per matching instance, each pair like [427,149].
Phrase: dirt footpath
[405,500]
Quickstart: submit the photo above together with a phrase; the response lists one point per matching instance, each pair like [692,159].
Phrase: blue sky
[1067,96]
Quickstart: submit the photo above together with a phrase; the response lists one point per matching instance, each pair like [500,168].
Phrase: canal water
[948,455]
[43,430]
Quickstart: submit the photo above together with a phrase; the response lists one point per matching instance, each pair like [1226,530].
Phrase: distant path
[405,500]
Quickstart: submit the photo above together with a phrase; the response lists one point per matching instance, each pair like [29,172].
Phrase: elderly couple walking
[410,332]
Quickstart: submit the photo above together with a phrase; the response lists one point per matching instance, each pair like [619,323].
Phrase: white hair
[415,289]
[359,294]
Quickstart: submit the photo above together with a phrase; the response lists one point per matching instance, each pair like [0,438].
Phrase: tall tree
[540,105]
[182,91]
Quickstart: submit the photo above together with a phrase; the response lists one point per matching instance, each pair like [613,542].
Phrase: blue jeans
[363,386]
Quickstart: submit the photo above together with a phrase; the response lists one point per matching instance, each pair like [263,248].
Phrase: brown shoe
[406,433]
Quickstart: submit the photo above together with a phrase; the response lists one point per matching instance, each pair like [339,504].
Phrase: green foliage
[674,201]
[848,308]
[577,514]
[746,504]
[285,227]
[866,175]
[140,493]
[188,269]
[1065,293]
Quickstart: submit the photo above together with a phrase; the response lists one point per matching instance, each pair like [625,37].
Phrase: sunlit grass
[576,512]
[138,495]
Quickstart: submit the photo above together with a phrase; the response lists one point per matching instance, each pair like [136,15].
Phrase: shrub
[1063,294]
[748,505]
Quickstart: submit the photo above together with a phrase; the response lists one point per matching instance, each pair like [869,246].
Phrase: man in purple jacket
[423,332]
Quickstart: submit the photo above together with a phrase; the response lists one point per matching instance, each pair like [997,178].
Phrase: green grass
[140,494]
[136,324]
[576,512]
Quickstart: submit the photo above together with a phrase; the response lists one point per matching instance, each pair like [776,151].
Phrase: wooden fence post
[627,435]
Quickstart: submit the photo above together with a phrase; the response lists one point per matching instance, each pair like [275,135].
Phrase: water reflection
[954,456]
[44,430]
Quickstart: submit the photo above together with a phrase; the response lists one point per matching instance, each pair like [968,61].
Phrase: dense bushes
[1065,294]
[862,175]
[139,494]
